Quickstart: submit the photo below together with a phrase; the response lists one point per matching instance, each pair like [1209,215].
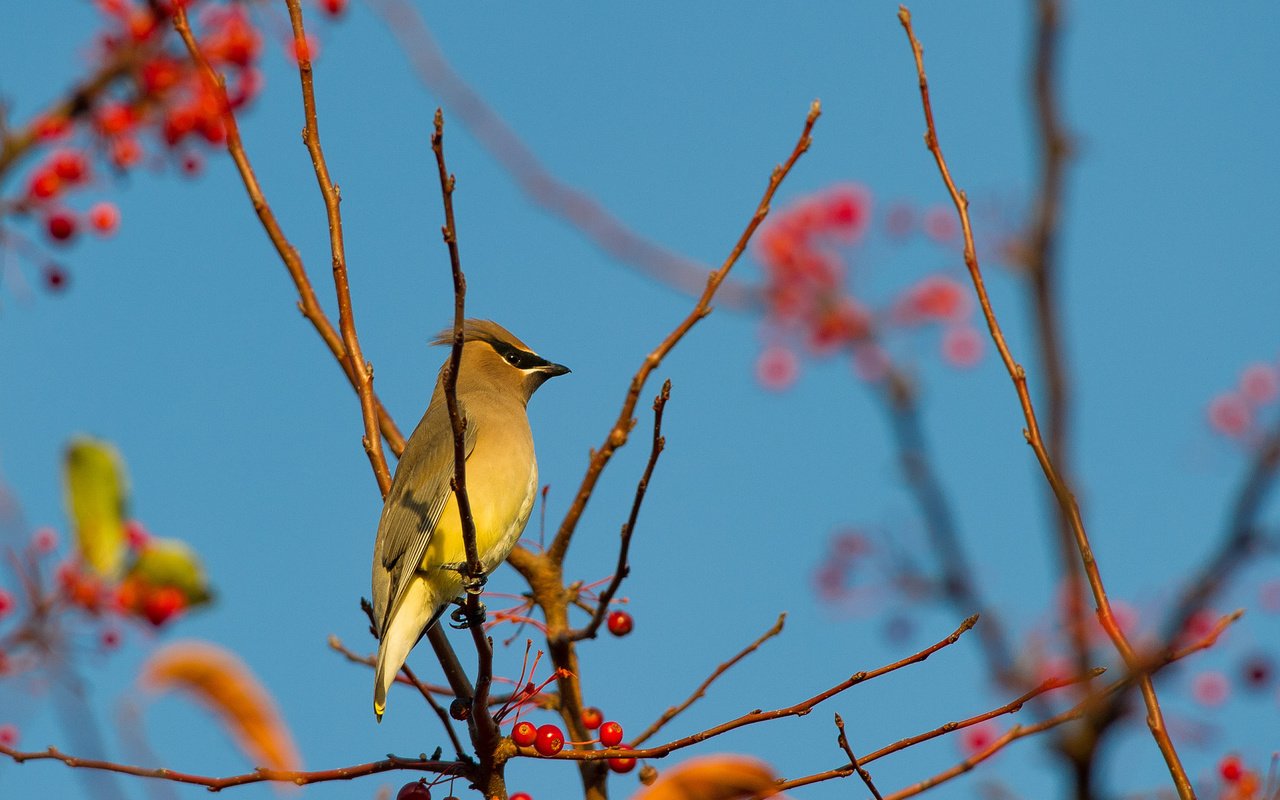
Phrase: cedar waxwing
[419,552]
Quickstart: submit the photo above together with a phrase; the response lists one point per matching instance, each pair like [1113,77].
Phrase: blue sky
[180,342]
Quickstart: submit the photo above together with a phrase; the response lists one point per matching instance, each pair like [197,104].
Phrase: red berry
[962,346]
[44,184]
[521,796]
[1257,672]
[61,226]
[1230,768]
[777,367]
[620,623]
[50,128]
[6,602]
[335,8]
[162,604]
[45,540]
[104,218]
[116,118]
[161,74]
[125,151]
[611,734]
[8,735]
[191,164]
[592,717]
[135,533]
[622,765]
[110,639]
[524,734]
[550,740]
[1210,688]
[70,165]
[417,790]
[1230,415]
[977,738]
[55,277]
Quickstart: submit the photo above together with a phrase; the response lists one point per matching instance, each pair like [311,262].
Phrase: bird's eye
[513,358]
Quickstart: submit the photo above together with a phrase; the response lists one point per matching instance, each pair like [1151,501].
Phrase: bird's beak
[552,370]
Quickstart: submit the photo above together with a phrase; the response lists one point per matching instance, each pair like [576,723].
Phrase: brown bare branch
[298,778]
[628,528]
[484,729]
[1066,500]
[843,741]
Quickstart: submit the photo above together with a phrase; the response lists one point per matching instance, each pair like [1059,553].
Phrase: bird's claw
[463,619]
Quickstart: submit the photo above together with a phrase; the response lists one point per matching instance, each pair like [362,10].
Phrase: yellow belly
[500,506]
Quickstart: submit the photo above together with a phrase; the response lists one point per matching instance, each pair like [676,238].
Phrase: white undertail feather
[407,622]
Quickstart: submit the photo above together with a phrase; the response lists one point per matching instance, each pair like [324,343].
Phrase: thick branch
[1067,502]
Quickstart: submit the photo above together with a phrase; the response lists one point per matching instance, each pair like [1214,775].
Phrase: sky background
[179,341]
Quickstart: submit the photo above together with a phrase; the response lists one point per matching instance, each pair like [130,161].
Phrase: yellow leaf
[97,490]
[713,778]
[219,680]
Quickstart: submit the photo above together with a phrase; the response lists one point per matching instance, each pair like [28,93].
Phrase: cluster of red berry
[143,88]
[804,249]
[151,597]
[1235,413]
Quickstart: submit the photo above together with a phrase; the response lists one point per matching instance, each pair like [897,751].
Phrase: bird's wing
[418,496]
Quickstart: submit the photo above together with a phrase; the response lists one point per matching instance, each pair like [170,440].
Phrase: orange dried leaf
[216,678]
[713,778]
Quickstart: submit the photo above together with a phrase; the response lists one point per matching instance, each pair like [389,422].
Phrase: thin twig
[1067,501]
[624,568]
[757,716]
[484,727]
[362,371]
[843,741]
[673,711]
[621,429]
[307,302]
[299,778]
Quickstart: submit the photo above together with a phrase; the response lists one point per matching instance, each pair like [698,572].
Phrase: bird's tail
[414,614]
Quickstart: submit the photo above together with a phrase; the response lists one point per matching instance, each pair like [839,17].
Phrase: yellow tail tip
[378,708]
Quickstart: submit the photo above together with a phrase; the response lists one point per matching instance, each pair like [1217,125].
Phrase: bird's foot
[462,617]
